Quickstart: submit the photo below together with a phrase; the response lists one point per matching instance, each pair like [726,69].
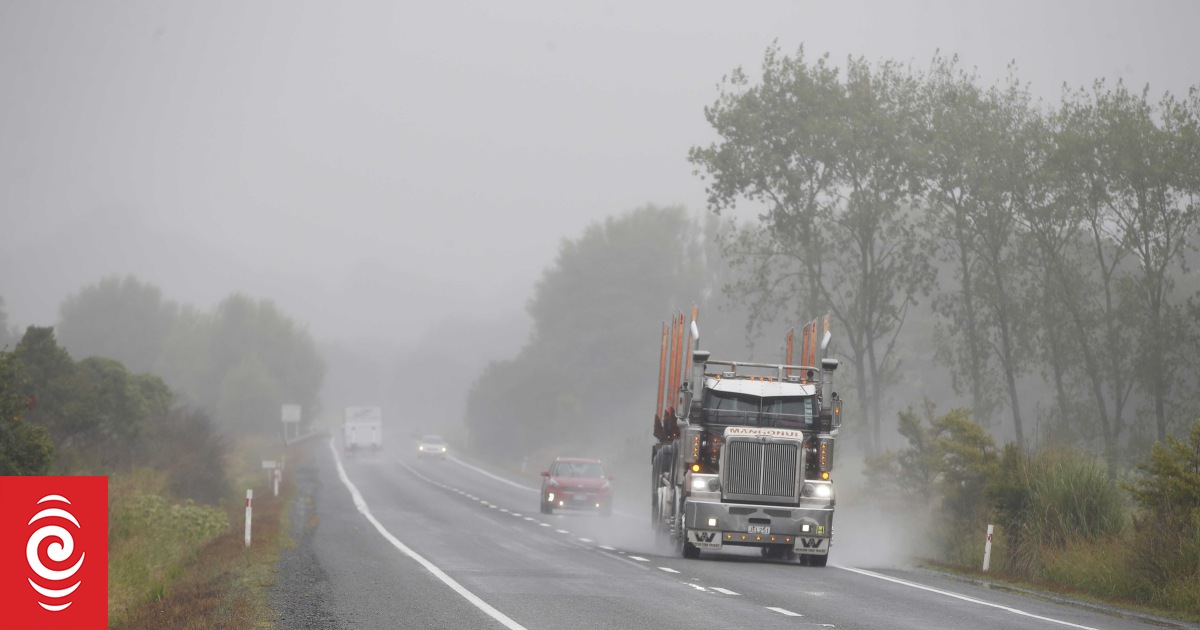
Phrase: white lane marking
[585,540]
[784,611]
[607,548]
[722,590]
[965,598]
[530,518]
[562,531]
[544,524]
[697,586]
[361,504]
[667,569]
[638,558]
[484,472]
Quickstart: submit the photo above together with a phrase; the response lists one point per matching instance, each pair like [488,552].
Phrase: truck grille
[762,471]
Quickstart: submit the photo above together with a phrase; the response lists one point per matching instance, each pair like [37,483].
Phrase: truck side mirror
[545,473]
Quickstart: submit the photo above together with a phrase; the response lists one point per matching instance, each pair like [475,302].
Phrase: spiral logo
[55,583]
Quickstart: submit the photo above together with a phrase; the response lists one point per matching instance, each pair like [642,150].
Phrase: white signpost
[291,421]
[249,501]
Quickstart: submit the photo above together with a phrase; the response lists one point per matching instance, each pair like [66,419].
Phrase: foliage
[187,444]
[118,318]
[595,315]
[241,362]
[1168,529]
[949,461]
[1054,498]
[93,408]
[1171,475]
[258,359]
[25,448]
[151,536]
[7,337]
[828,162]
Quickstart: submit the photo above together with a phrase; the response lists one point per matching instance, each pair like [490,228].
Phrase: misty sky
[377,167]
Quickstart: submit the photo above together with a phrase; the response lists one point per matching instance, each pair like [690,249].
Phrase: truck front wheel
[815,561]
[688,550]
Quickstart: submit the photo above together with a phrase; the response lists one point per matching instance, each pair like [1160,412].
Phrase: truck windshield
[795,412]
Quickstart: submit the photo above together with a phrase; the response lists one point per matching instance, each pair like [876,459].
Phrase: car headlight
[421,447]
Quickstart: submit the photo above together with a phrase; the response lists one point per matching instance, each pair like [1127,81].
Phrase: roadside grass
[171,566]
[1096,573]
[1099,569]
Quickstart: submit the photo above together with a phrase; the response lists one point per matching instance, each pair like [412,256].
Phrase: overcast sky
[377,167]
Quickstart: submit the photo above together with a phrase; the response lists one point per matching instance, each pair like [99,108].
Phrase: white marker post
[276,477]
[987,549]
[249,500]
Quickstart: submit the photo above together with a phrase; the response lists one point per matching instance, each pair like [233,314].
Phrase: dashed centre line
[698,587]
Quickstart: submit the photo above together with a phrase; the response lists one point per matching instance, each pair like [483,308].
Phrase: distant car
[576,483]
[431,446]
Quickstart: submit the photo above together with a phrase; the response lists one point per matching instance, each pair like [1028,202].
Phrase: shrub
[1050,500]
[1167,541]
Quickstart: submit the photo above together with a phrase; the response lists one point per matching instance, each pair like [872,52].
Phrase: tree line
[159,384]
[1052,239]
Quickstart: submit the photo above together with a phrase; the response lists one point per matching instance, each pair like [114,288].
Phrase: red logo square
[54,552]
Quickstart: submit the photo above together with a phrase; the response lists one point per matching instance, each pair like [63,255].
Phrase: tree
[942,473]
[254,359]
[25,448]
[118,318]
[828,162]
[45,371]
[948,156]
[7,337]
[585,373]
[1151,154]
[1167,538]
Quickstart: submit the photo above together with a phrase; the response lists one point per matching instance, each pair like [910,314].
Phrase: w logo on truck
[811,544]
[705,540]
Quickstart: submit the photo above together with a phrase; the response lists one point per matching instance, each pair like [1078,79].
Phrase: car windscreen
[432,439]
[578,469]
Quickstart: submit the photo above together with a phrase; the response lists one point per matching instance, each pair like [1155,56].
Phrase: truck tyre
[547,508]
[687,549]
[816,561]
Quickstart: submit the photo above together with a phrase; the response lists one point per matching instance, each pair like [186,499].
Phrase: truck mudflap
[712,525]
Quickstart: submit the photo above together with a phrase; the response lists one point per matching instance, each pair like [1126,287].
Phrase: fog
[390,173]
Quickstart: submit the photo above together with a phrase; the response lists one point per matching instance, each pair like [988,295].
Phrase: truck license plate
[759,529]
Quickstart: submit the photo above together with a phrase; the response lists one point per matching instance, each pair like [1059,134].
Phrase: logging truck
[744,450]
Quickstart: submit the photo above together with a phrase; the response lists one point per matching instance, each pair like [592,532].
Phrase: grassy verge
[1092,585]
[182,565]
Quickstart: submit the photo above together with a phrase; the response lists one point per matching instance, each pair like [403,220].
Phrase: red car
[573,482]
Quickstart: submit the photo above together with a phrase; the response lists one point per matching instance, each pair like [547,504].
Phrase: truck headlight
[705,483]
[819,490]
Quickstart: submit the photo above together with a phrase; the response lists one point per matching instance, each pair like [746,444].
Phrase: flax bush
[1050,500]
